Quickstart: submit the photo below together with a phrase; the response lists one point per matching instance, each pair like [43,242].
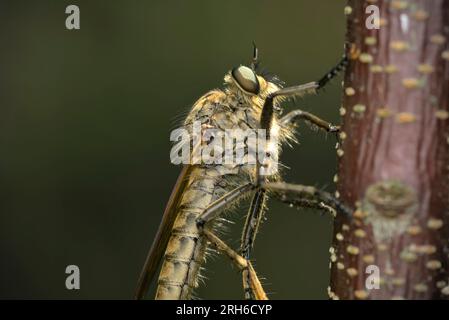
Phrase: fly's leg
[333,72]
[306,203]
[216,207]
[300,195]
[241,263]
[290,193]
[310,87]
[255,212]
[252,223]
[297,195]
[249,233]
[210,213]
[266,118]
[293,117]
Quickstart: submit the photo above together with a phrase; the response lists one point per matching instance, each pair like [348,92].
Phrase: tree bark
[393,154]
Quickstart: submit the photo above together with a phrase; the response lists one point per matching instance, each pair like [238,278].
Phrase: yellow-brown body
[231,108]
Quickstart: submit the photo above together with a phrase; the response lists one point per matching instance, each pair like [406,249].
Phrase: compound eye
[246,79]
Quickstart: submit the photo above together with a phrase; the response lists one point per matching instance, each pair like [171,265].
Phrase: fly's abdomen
[181,267]
[186,248]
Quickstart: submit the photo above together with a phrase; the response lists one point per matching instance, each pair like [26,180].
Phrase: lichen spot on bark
[390,206]
[390,198]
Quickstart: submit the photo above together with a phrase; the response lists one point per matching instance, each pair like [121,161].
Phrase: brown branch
[393,167]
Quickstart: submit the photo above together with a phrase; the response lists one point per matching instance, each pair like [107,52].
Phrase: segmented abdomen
[186,248]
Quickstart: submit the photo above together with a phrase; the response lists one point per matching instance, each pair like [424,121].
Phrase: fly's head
[245,83]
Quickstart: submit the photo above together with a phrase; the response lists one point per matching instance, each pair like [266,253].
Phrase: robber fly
[203,192]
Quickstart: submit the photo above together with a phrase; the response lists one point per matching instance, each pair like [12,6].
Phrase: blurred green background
[85,118]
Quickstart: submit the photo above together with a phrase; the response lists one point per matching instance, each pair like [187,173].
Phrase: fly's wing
[204,104]
[163,234]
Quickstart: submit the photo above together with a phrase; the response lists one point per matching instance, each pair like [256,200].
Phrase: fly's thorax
[224,130]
